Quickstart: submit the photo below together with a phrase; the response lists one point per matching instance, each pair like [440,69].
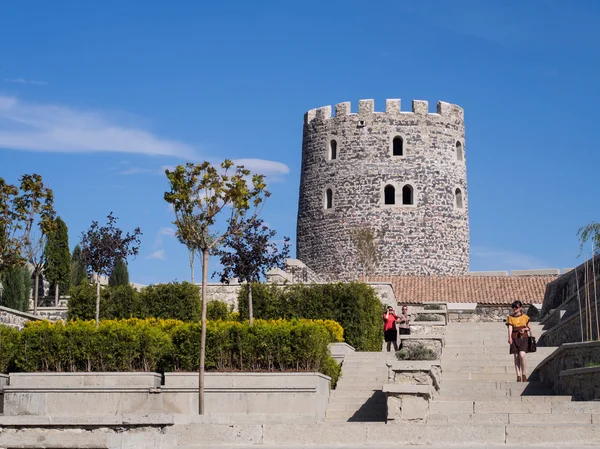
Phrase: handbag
[531,344]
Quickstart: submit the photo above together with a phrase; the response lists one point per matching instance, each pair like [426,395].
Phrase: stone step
[355,393]
[510,418]
[340,407]
[479,376]
[445,363]
[491,369]
[491,350]
[357,415]
[502,397]
[362,385]
[500,406]
[357,401]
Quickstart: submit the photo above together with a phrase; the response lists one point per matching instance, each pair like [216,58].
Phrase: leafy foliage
[102,246]
[416,353]
[354,305]
[57,263]
[120,274]
[217,310]
[167,345]
[248,255]
[21,208]
[179,301]
[16,288]
[78,268]
[590,232]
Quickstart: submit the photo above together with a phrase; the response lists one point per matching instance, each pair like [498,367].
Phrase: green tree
[120,274]
[249,254]
[16,288]
[201,195]
[590,232]
[21,209]
[102,246]
[57,264]
[78,268]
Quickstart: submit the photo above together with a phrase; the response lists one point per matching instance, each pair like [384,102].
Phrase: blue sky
[98,97]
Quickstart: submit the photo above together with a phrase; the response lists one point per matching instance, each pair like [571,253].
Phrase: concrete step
[479,376]
[362,415]
[362,385]
[491,369]
[355,393]
[356,401]
[506,418]
[502,397]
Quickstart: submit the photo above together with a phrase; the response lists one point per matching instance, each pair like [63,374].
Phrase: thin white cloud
[134,171]
[157,255]
[167,231]
[273,170]
[25,81]
[54,128]
[494,259]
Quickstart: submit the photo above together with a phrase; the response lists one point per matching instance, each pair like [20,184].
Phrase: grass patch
[592,364]
[433,307]
[428,317]
[416,353]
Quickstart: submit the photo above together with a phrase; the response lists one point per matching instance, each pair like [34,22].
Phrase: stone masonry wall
[430,237]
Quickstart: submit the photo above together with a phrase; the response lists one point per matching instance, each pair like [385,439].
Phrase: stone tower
[399,175]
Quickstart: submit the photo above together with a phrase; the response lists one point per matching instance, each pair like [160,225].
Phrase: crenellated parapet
[392,106]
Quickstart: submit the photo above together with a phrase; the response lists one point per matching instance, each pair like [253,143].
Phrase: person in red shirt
[390,332]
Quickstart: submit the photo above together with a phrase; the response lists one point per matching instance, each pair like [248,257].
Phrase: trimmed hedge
[170,345]
[176,300]
[354,305]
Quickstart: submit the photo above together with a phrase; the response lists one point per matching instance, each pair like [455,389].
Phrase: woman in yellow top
[518,327]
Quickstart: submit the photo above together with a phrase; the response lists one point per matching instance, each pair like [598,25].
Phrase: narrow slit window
[459,151]
[389,194]
[407,195]
[459,198]
[333,150]
[398,146]
[328,199]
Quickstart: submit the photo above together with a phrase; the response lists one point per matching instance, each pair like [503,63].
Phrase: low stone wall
[339,351]
[565,370]
[256,397]
[15,318]
[53,313]
[225,293]
[459,313]
[433,342]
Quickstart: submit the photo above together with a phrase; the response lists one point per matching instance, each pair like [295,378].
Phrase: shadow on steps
[373,410]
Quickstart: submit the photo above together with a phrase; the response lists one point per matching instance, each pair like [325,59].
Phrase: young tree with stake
[249,254]
[201,194]
[57,264]
[102,246]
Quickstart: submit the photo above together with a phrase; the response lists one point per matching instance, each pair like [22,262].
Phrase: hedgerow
[170,345]
[353,305]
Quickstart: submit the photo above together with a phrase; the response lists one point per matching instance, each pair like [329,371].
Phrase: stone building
[398,176]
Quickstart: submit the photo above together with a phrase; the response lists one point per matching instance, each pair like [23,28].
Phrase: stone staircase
[358,395]
[479,400]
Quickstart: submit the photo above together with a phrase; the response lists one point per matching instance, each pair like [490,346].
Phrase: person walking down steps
[390,333]
[518,329]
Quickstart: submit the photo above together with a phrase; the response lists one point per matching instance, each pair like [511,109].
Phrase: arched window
[407,194]
[328,199]
[458,198]
[398,146]
[459,151]
[333,149]
[389,194]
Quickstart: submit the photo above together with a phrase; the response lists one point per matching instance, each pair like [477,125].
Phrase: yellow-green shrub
[171,345]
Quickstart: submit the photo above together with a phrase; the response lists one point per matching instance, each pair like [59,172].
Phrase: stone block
[450,407]
[215,434]
[512,407]
[576,407]
[552,434]
[318,434]
[418,434]
[74,380]
[550,418]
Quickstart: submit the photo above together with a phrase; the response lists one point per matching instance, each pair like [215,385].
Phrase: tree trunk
[97,299]
[56,294]
[250,312]
[36,292]
[203,333]
[192,264]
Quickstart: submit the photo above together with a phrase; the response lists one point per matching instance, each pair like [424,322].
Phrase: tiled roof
[468,289]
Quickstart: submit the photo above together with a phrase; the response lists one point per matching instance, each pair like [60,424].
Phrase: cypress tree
[57,268]
[120,274]
[16,288]
[78,268]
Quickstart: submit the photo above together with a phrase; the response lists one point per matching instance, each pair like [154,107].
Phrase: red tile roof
[468,289]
